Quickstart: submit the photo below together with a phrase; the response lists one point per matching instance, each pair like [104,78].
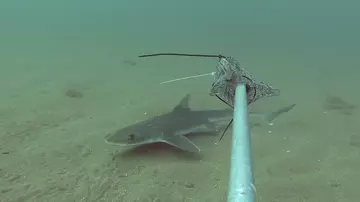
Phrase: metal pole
[241,184]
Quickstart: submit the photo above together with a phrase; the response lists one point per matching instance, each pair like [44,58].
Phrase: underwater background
[70,74]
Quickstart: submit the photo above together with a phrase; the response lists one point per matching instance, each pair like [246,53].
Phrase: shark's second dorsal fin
[183,104]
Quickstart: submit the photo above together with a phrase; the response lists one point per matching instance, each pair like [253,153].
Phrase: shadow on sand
[163,150]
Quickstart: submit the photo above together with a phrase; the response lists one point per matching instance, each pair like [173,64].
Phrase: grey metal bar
[241,184]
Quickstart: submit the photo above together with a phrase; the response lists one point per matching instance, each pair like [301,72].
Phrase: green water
[52,146]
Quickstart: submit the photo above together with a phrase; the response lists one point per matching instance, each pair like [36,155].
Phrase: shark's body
[172,127]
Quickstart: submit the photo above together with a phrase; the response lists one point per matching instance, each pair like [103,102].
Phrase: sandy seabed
[52,148]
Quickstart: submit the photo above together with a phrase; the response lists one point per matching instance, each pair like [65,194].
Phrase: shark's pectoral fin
[182,143]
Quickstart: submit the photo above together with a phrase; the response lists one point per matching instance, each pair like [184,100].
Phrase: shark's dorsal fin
[183,104]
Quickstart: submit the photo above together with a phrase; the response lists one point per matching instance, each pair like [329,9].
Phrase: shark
[173,127]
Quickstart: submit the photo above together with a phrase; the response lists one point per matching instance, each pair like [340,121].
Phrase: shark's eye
[131,137]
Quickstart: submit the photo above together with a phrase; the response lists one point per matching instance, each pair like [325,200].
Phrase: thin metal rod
[227,127]
[182,54]
[189,77]
[241,184]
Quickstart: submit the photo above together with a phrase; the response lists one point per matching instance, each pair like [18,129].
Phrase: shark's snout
[114,138]
[125,137]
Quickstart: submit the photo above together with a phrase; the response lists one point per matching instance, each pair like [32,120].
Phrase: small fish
[172,127]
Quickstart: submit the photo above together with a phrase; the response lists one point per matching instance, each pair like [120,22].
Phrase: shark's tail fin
[270,118]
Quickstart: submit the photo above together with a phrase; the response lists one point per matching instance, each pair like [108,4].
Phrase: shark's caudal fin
[270,118]
[182,143]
